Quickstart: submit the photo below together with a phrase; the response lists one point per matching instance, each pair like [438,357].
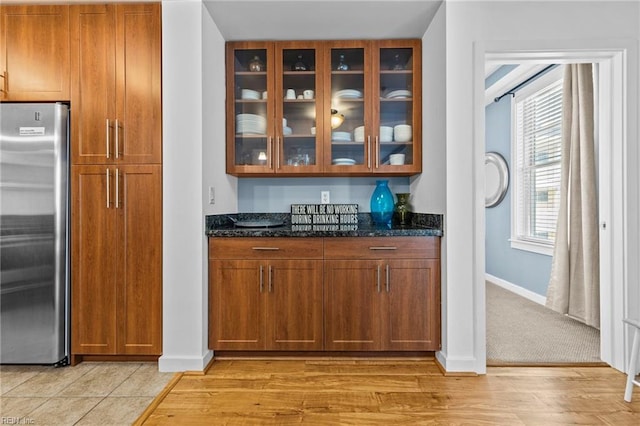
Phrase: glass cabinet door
[347,130]
[397,86]
[250,114]
[298,108]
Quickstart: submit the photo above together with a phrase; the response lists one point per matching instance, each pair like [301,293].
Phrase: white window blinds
[538,133]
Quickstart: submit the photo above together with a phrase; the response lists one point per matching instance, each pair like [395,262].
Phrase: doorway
[520,328]
[613,190]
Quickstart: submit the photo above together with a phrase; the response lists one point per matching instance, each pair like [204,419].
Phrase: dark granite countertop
[422,224]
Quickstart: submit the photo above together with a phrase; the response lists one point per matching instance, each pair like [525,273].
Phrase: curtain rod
[513,89]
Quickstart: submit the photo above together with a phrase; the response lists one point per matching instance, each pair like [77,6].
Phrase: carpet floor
[520,331]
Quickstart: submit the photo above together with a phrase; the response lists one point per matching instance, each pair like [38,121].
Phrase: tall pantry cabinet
[116,177]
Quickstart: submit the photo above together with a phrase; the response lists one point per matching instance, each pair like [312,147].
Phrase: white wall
[214,122]
[429,188]
[470,25]
[184,282]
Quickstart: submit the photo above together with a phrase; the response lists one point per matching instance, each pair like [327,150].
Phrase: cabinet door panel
[397,106]
[294,319]
[348,143]
[411,312]
[35,53]
[352,305]
[236,305]
[93,87]
[138,131]
[250,115]
[298,150]
[93,271]
[139,209]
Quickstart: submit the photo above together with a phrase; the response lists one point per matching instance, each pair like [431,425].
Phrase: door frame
[617,202]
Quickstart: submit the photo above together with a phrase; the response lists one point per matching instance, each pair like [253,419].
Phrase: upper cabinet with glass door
[374,96]
[347,132]
[250,114]
[272,93]
[398,108]
[298,108]
[324,108]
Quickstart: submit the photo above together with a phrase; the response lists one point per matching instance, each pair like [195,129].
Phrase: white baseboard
[174,364]
[527,294]
[456,365]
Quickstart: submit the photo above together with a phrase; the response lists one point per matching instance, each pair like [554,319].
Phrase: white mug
[308,94]
[396,159]
[291,94]
[264,95]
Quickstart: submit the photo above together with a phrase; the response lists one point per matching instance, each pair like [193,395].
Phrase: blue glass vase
[382,203]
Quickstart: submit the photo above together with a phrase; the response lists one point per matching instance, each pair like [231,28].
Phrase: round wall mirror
[496,178]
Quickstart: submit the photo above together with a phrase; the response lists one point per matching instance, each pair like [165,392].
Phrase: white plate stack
[251,124]
[341,136]
[398,94]
[386,134]
[402,133]
[348,94]
[249,94]
[343,161]
[358,134]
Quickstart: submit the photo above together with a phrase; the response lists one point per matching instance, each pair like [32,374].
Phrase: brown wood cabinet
[268,133]
[116,175]
[116,83]
[369,86]
[34,53]
[360,293]
[385,296]
[116,259]
[265,294]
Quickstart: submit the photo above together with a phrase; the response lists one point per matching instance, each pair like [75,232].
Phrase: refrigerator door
[33,233]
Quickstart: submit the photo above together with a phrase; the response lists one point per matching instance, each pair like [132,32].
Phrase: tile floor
[88,394]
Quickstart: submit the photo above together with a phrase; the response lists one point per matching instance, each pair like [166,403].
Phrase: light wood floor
[347,392]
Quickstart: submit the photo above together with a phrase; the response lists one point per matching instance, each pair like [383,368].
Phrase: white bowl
[402,128]
[396,159]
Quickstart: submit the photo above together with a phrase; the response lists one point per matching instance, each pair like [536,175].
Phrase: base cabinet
[116,299]
[381,305]
[355,294]
[265,304]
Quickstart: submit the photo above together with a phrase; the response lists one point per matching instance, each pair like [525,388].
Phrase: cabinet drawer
[265,248]
[382,248]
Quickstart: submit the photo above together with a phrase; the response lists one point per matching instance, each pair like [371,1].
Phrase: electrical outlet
[325,197]
[212,195]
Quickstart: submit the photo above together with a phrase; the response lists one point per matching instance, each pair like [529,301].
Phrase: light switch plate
[325,197]
[212,195]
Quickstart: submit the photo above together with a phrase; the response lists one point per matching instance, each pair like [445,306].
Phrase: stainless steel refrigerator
[34,278]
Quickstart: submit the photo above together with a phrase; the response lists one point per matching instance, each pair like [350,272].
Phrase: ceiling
[321,19]
[308,19]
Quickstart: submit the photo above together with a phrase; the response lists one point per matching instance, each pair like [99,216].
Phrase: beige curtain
[574,287]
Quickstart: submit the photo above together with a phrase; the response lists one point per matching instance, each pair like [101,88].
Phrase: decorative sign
[324,217]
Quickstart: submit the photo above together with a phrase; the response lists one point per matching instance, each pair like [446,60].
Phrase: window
[536,159]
